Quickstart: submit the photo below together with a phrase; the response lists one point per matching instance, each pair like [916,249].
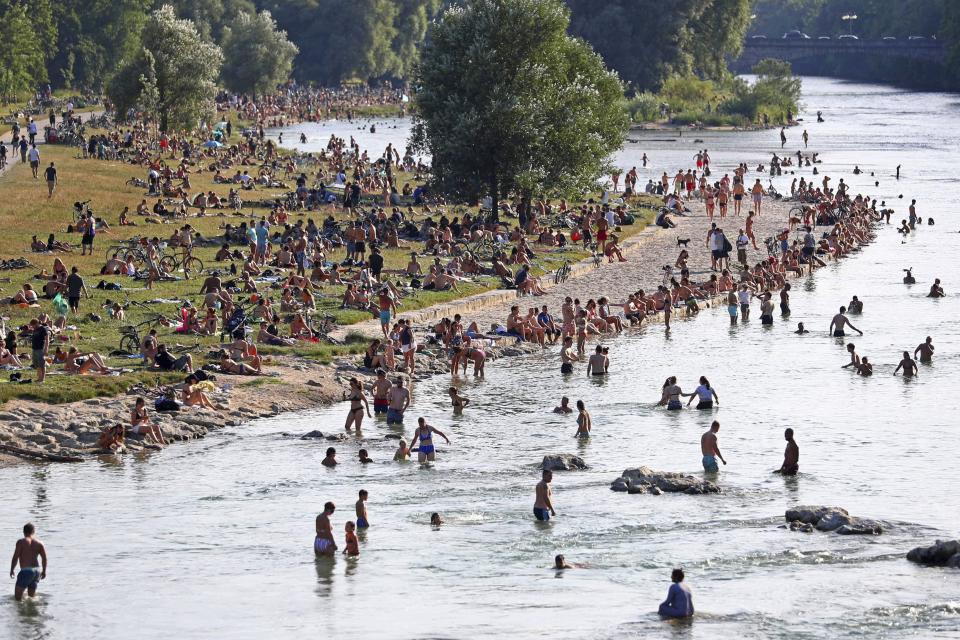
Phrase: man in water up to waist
[26,553]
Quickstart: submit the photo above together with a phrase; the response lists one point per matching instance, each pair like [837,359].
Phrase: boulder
[811,515]
[803,527]
[646,480]
[941,554]
[833,520]
[562,462]
[311,435]
[836,519]
[861,526]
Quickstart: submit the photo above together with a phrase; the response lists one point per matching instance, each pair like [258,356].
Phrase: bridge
[796,49]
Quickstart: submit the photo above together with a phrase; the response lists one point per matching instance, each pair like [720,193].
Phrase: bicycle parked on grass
[190,264]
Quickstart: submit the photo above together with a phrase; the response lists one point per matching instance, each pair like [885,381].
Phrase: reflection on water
[214,539]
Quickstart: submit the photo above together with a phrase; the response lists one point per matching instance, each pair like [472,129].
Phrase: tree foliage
[508,102]
[21,56]
[175,65]
[259,55]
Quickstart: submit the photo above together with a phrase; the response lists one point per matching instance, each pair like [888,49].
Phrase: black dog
[682,243]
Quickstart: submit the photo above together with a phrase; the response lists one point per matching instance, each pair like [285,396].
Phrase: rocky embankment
[69,432]
[940,554]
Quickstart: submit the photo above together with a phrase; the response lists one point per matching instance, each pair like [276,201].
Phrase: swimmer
[365,457]
[791,456]
[909,279]
[936,291]
[710,449]
[330,460]
[599,363]
[679,602]
[543,504]
[26,552]
[567,355]
[361,508]
[839,322]
[564,407]
[459,402]
[854,358]
[324,544]
[865,368]
[424,433]
[801,329]
[560,563]
[402,452]
[855,306]
[584,421]
[908,365]
[352,544]
[925,350]
[435,520]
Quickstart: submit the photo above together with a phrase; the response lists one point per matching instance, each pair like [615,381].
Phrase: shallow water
[212,539]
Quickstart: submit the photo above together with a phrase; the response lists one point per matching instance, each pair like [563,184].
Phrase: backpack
[166,403]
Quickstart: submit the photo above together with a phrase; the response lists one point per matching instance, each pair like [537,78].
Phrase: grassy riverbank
[26,211]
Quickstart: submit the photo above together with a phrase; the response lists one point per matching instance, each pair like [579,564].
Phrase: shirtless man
[564,407]
[568,355]
[936,291]
[324,544]
[854,358]
[710,449]
[397,402]
[381,392]
[543,505]
[908,365]
[25,553]
[791,456]
[599,363]
[839,322]
[865,368]
[925,350]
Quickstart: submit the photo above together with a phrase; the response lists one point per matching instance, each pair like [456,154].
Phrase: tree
[21,56]
[184,68]
[411,24]
[717,34]
[210,16]
[260,56]
[507,102]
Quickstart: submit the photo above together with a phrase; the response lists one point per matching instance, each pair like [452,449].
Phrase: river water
[213,539]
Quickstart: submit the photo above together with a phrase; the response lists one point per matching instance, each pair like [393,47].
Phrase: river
[212,539]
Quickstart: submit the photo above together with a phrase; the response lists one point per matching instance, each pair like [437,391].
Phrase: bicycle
[596,256]
[562,273]
[189,264]
[326,326]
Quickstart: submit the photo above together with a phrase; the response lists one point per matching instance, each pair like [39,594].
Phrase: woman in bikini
[424,433]
[358,402]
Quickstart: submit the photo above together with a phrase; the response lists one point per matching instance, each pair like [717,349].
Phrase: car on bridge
[917,38]
[888,38]
[758,37]
[848,36]
[796,34]
[823,38]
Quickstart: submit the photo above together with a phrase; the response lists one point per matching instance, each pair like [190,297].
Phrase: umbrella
[212,144]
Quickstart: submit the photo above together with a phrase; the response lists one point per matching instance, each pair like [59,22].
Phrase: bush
[644,108]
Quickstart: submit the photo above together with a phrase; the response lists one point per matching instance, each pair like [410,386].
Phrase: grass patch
[58,389]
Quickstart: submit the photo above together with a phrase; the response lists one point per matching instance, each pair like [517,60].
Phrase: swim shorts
[28,578]
[362,523]
[784,308]
[710,464]
[732,310]
[674,405]
[380,405]
[566,367]
[321,545]
[385,317]
[541,514]
[790,470]
[426,449]
[705,404]
[766,319]
[394,416]
[838,333]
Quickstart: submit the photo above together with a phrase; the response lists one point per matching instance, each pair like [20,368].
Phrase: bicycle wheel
[192,265]
[130,344]
[169,264]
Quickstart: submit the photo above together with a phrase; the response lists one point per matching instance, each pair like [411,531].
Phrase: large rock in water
[832,519]
[940,554]
[646,480]
[562,462]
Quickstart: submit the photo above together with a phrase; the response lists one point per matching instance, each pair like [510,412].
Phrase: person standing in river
[324,544]
[543,503]
[381,392]
[791,456]
[598,363]
[706,395]
[711,449]
[397,402]
[29,553]
[839,322]
[584,421]
[568,355]
[424,433]
[908,365]
[358,402]
[925,350]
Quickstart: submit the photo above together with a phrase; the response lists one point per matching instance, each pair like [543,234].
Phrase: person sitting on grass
[265,336]
[55,245]
[141,424]
[299,328]
[9,358]
[26,295]
[224,254]
[166,362]
[36,246]
[82,363]
[242,350]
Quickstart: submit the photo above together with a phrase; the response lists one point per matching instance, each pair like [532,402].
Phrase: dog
[682,243]
[794,222]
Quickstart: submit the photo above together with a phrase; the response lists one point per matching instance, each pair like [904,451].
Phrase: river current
[212,539]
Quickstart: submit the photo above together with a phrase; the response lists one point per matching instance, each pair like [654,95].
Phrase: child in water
[353,545]
[402,453]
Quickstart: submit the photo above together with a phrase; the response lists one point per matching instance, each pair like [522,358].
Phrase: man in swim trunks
[381,391]
[599,363]
[839,322]
[925,350]
[361,506]
[733,306]
[710,449]
[936,291]
[387,304]
[791,456]
[26,552]
[564,407]
[324,544]
[543,505]
[397,402]
[330,460]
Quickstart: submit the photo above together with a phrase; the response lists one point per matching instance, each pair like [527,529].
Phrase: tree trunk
[495,197]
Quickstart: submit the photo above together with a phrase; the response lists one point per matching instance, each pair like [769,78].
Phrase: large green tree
[507,102]
[258,55]
[21,56]
[718,34]
[210,16]
[177,66]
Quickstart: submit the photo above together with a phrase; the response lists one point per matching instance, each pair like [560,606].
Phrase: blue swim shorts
[710,464]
